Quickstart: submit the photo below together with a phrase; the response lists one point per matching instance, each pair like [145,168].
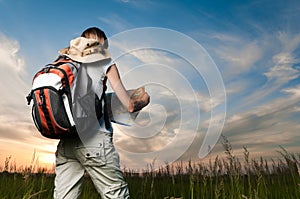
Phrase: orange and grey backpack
[52,94]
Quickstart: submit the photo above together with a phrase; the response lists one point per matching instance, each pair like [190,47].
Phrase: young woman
[96,154]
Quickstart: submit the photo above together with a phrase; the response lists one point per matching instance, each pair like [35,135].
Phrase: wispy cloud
[272,59]
[16,126]
[14,85]
[240,54]
[256,48]
[116,22]
[260,67]
[146,4]
[267,122]
[262,129]
[176,86]
[282,71]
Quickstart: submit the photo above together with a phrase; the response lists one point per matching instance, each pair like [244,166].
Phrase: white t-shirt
[97,72]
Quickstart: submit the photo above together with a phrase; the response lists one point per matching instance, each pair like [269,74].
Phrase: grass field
[226,178]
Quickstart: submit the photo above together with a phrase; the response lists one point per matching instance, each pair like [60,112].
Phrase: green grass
[220,178]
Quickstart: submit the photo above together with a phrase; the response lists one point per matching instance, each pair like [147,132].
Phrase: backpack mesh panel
[58,109]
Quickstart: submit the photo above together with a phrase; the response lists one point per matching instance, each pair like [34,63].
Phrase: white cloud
[225,38]
[146,4]
[284,104]
[289,42]
[263,133]
[284,58]
[16,126]
[14,85]
[281,67]
[294,92]
[282,72]
[116,22]
[296,109]
[240,54]
[262,129]
[272,58]
[268,119]
[173,83]
[154,56]
[8,51]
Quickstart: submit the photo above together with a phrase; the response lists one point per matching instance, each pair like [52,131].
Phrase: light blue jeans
[99,159]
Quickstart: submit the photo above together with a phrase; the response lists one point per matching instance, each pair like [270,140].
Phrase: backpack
[52,94]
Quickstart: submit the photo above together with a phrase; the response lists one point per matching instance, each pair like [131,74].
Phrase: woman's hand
[139,98]
[133,100]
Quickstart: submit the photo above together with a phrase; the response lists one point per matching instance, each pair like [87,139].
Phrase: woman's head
[96,33]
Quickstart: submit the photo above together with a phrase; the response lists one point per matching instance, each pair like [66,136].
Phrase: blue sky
[254,44]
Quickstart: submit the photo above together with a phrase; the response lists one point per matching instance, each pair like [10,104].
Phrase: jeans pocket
[91,156]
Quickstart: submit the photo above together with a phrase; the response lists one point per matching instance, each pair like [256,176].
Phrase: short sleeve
[108,65]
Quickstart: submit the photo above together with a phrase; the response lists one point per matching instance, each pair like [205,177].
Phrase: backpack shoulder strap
[62,59]
[106,108]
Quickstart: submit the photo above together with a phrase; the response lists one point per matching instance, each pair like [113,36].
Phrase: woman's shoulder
[102,65]
[105,62]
